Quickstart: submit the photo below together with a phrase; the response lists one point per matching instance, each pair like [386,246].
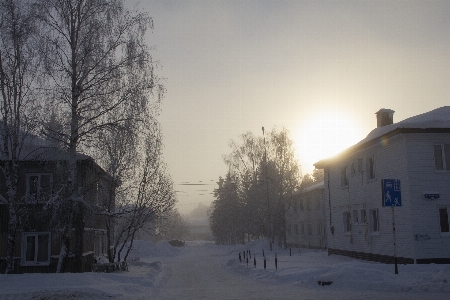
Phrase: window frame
[370,168]
[309,230]
[35,262]
[347,221]
[320,229]
[39,197]
[355,217]
[374,226]
[344,177]
[447,207]
[444,160]
[296,230]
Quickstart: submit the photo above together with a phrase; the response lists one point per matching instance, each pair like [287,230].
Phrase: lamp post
[269,215]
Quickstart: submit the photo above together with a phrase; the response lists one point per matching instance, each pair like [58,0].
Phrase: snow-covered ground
[202,270]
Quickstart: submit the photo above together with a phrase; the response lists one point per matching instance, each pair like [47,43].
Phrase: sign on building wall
[391,190]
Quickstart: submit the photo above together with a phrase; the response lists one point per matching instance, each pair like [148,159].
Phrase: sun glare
[323,135]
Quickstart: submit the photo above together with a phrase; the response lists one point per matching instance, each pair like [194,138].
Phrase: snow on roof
[315,186]
[438,118]
[37,148]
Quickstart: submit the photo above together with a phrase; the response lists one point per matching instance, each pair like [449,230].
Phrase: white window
[344,177]
[374,220]
[370,168]
[363,216]
[295,206]
[100,243]
[39,187]
[309,229]
[319,229]
[355,217]
[302,229]
[443,218]
[35,248]
[347,222]
[360,165]
[296,229]
[353,169]
[442,157]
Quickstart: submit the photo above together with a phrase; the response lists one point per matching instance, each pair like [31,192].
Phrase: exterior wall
[362,193]
[313,216]
[430,244]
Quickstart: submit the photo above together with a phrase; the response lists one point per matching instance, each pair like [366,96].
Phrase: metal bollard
[254,261]
[276,262]
[290,251]
[264,262]
[240,258]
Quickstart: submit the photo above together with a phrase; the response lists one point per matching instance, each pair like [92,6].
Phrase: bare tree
[18,71]
[96,64]
[144,199]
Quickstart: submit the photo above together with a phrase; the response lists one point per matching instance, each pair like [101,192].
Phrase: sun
[324,134]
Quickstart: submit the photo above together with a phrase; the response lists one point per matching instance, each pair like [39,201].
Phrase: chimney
[385,117]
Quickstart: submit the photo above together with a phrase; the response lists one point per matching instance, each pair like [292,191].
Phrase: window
[309,229]
[318,203]
[443,218]
[344,178]
[374,221]
[301,204]
[360,165]
[319,229]
[442,157]
[302,229]
[353,169]
[100,243]
[370,166]
[289,229]
[296,229]
[39,187]
[363,216]
[35,248]
[295,206]
[308,204]
[347,223]
[355,217]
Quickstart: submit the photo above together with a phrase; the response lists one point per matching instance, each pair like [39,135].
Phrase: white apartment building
[405,163]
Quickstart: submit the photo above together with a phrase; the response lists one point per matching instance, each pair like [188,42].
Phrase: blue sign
[392,194]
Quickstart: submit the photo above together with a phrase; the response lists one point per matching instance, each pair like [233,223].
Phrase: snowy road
[205,271]
[199,273]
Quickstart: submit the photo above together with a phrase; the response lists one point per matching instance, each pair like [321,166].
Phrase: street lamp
[269,215]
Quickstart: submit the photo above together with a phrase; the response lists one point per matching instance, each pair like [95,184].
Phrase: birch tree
[19,66]
[96,63]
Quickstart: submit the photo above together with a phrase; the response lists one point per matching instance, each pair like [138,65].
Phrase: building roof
[39,149]
[437,120]
[315,186]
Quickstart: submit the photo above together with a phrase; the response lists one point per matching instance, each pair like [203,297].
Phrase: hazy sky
[319,68]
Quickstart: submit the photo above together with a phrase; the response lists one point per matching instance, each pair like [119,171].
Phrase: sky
[321,69]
